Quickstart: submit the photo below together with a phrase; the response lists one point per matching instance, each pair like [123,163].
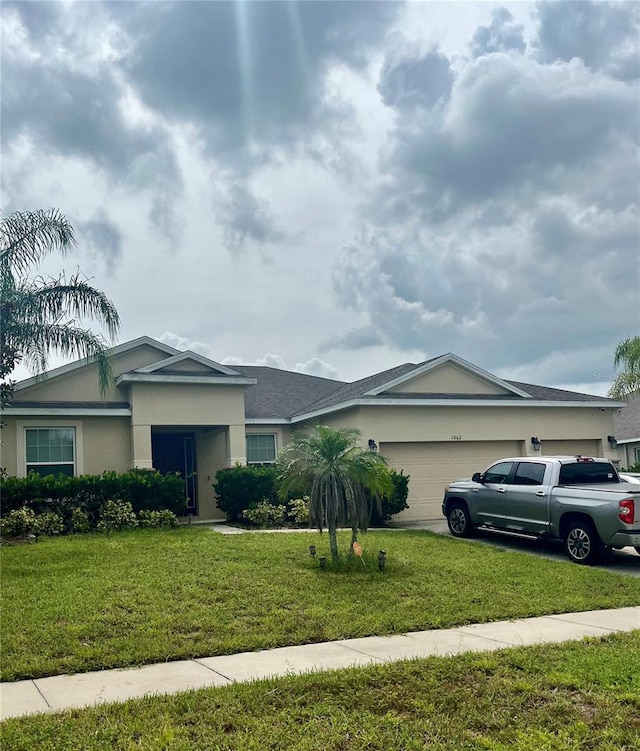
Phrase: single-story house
[179,411]
[626,425]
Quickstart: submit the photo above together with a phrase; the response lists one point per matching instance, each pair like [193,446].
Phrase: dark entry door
[175,452]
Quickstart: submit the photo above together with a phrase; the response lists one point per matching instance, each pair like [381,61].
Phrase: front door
[175,452]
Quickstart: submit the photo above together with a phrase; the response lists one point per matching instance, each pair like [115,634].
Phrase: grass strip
[90,602]
[577,696]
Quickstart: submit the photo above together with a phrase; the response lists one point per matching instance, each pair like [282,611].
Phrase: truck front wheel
[582,544]
[460,524]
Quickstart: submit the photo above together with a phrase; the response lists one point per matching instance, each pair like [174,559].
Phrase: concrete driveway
[625,561]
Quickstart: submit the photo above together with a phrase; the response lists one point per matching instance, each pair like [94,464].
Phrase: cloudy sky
[340,187]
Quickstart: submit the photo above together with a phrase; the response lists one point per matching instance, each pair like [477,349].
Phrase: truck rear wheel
[582,544]
[459,521]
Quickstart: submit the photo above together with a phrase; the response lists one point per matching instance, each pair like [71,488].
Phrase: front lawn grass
[579,696]
[89,602]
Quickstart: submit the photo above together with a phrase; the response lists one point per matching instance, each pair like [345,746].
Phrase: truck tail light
[626,510]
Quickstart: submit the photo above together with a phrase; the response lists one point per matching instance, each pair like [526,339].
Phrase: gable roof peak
[119,349]
[437,362]
[183,356]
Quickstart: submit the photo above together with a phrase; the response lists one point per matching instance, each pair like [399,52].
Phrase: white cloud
[366,183]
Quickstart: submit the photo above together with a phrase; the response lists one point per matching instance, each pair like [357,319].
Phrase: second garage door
[571,448]
[432,465]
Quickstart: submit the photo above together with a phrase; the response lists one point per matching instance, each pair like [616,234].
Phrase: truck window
[498,473]
[529,473]
[587,473]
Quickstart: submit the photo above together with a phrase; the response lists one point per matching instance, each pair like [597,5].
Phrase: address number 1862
[456,437]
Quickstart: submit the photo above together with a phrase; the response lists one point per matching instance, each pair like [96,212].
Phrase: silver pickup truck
[579,500]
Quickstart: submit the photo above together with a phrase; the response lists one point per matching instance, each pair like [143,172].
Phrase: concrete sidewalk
[86,689]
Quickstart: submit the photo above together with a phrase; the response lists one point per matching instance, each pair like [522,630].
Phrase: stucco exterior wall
[186,404]
[102,443]
[8,460]
[211,456]
[82,384]
[447,379]
[385,424]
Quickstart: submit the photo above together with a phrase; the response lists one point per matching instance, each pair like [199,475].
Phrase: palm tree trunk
[333,544]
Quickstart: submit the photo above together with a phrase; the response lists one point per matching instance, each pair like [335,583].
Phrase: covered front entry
[176,452]
[433,464]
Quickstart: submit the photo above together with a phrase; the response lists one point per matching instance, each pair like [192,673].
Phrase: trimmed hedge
[241,488]
[144,489]
[238,488]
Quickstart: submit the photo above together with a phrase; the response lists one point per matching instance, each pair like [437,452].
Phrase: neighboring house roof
[626,421]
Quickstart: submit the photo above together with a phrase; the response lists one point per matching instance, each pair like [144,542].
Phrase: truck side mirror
[477,477]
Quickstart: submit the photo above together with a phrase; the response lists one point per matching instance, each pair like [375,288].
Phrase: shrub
[49,524]
[266,514]
[299,510]
[117,515]
[18,523]
[238,488]
[163,518]
[78,522]
[385,508]
[144,489]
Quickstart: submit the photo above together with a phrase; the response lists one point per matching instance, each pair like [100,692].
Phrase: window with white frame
[50,451]
[637,451]
[261,448]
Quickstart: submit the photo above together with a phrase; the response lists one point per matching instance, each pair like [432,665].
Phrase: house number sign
[456,437]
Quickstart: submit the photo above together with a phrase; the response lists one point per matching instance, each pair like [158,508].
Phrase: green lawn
[89,602]
[580,696]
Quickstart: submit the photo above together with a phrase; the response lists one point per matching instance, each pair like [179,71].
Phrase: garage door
[433,465]
[571,448]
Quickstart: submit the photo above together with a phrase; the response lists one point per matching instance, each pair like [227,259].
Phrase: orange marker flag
[357,549]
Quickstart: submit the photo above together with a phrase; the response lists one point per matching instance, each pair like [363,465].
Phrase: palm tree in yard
[340,474]
[626,356]
[42,315]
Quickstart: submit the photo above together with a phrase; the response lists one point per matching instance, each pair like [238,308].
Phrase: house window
[261,448]
[50,451]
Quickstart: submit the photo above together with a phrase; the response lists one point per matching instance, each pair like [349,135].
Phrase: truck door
[528,498]
[489,499]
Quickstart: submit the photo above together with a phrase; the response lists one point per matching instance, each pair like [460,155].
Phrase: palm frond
[75,298]
[37,341]
[341,474]
[627,355]
[27,236]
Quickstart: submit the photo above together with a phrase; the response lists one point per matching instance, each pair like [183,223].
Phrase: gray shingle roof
[282,393]
[358,388]
[560,395]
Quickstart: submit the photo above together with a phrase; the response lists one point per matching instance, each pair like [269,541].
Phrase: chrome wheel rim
[458,520]
[579,544]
